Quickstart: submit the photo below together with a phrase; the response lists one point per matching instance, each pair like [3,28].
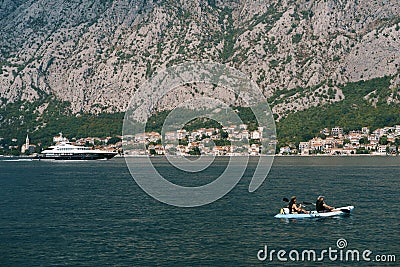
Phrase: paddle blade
[285,199]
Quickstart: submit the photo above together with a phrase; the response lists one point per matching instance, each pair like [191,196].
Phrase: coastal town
[235,140]
[238,140]
[334,141]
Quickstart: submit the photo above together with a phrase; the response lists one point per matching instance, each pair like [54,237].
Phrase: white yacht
[67,151]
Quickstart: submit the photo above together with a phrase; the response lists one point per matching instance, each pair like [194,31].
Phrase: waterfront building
[256,134]
[304,148]
[397,129]
[27,147]
[365,130]
[337,131]
[60,138]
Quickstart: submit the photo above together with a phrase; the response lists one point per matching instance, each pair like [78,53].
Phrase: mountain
[93,55]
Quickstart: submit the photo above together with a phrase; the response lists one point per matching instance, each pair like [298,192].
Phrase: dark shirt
[320,205]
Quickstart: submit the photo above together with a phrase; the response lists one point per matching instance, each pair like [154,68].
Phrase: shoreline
[338,156]
[220,156]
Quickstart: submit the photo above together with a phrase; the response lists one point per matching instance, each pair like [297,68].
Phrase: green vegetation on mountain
[19,118]
[156,121]
[353,112]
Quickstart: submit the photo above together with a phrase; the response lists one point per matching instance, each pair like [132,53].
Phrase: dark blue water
[94,214]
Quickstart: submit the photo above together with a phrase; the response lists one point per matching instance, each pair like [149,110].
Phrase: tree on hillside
[114,140]
[224,135]
[383,140]
[364,141]
[397,142]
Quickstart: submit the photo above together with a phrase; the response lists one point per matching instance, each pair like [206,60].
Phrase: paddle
[287,200]
[342,210]
[345,210]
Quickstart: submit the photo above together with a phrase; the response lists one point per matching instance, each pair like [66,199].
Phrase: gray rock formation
[94,54]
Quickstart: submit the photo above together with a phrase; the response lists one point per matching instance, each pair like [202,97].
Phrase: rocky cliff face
[94,54]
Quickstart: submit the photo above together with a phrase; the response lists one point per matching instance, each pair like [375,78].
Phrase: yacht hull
[83,156]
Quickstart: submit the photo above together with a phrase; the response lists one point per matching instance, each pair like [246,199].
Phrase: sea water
[92,213]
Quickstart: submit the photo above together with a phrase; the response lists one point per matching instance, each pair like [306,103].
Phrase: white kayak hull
[314,214]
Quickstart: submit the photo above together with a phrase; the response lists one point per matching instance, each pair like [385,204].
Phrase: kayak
[284,214]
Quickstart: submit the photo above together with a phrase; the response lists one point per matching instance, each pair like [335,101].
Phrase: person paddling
[321,206]
[293,208]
